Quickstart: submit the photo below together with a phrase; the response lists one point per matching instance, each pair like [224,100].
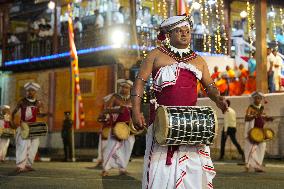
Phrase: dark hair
[228,102]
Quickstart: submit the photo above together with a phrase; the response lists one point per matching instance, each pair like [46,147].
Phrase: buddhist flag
[182,7]
[77,104]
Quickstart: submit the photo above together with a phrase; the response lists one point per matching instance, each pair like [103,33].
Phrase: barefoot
[123,172]
[104,174]
[20,170]
[29,168]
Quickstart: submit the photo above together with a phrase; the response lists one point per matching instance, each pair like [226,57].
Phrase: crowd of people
[242,81]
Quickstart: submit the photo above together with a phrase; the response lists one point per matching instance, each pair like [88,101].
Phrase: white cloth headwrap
[32,85]
[124,81]
[256,93]
[173,22]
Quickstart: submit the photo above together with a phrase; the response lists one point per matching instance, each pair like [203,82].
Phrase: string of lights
[223,26]
[209,37]
[249,22]
[217,37]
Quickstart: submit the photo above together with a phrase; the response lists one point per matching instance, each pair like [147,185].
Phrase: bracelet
[137,96]
[210,85]
[138,77]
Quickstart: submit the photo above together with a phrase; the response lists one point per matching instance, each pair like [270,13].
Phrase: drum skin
[105,132]
[256,135]
[185,125]
[268,134]
[25,130]
[121,131]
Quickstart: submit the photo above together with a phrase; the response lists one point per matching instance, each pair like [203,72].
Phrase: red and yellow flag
[77,104]
[182,7]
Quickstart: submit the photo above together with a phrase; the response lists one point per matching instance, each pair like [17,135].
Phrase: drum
[268,134]
[256,135]
[7,133]
[185,125]
[105,133]
[31,130]
[121,131]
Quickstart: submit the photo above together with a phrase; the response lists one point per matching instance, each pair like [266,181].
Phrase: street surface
[61,175]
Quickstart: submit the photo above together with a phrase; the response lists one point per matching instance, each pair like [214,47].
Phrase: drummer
[26,149]
[117,152]
[4,123]
[255,117]
[175,69]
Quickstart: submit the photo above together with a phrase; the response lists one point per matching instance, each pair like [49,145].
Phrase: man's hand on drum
[138,121]
[222,104]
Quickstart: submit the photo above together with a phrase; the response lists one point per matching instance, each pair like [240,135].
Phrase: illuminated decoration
[249,22]
[243,14]
[281,16]
[211,2]
[272,14]
[88,51]
[223,26]
[217,35]
[51,5]
[196,5]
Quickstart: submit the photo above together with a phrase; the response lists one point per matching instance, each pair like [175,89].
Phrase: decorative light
[211,2]
[196,5]
[243,14]
[51,5]
[271,13]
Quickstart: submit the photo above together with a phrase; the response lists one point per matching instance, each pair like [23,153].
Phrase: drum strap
[170,153]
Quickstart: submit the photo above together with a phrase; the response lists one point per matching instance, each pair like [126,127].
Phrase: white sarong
[26,150]
[117,153]
[254,153]
[101,148]
[191,168]
[4,144]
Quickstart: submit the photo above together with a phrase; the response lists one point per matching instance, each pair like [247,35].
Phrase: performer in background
[117,152]
[66,135]
[255,117]
[29,107]
[4,124]
[230,129]
[175,69]
[106,120]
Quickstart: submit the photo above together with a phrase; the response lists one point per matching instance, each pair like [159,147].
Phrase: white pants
[254,153]
[101,148]
[191,167]
[26,150]
[117,153]
[4,144]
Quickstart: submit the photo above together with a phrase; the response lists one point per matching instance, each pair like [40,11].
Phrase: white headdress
[32,85]
[124,81]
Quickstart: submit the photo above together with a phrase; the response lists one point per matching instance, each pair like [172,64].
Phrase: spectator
[99,23]
[118,17]
[12,39]
[200,29]
[270,72]
[230,72]
[215,76]
[252,65]
[78,28]
[277,70]
[280,40]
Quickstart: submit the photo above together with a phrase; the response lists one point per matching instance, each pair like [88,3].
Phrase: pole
[261,57]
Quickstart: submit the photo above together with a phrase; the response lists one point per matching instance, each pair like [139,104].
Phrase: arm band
[138,77]
[210,85]
[137,96]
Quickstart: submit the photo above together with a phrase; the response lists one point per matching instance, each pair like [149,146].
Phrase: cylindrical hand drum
[7,133]
[32,130]
[185,125]
[121,131]
[256,135]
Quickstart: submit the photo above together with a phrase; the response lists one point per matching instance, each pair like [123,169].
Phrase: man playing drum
[29,107]
[255,118]
[4,124]
[117,152]
[175,70]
